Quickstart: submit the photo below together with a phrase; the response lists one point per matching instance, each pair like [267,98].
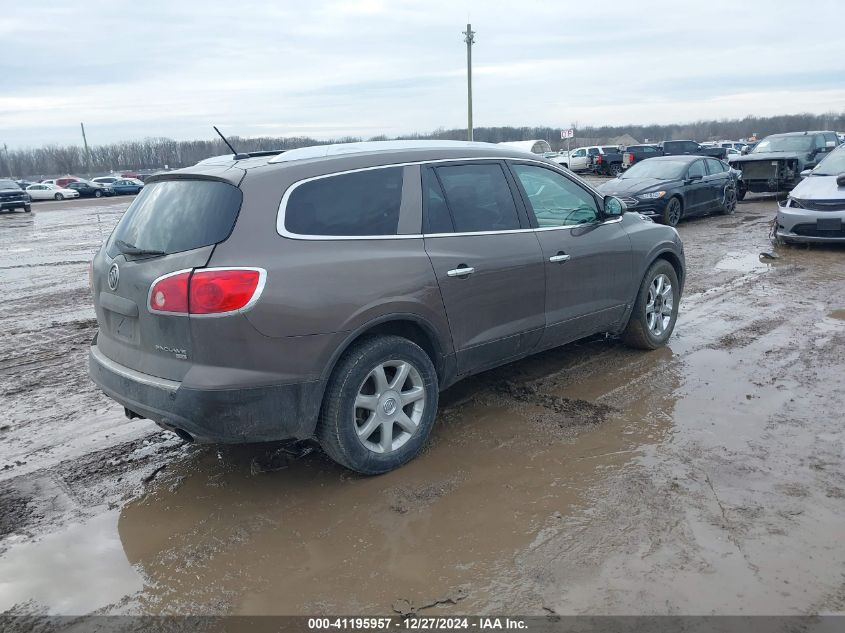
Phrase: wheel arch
[410,326]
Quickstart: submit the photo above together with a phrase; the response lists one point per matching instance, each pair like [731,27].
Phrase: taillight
[223,290]
[206,291]
[169,294]
[630,157]
[598,159]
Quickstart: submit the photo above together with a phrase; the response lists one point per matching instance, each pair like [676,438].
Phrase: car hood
[622,186]
[818,188]
[769,156]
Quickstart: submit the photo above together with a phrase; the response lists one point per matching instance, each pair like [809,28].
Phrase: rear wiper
[131,249]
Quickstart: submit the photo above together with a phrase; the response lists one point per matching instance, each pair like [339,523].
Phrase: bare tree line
[156,153]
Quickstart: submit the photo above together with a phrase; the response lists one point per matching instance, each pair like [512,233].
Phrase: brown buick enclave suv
[331,292]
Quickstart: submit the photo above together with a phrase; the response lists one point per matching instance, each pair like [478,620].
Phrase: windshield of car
[8,184]
[784,144]
[659,169]
[833,164]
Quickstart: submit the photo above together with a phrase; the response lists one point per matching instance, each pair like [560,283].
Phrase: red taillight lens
[222,290]
[599,159]
[206,291]
[630,158]
[170,293]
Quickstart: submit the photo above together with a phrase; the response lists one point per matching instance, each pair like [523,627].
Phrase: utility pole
[469,38]
[87,153]
[8,161]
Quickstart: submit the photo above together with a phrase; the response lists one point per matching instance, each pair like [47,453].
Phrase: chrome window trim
[280,214]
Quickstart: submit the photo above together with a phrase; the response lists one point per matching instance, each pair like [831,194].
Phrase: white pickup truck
[583,158]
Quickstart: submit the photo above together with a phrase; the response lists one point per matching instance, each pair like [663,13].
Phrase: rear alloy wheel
[729,201]
[615,170]
[379,405]
[656,308]
[27,209]
[673,212]
[59,196]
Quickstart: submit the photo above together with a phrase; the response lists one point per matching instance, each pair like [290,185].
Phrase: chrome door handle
[460,272]
[559,258]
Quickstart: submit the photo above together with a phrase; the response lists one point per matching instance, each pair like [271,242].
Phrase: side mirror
[694,177]
[613,206]
[840,180]
[806,173]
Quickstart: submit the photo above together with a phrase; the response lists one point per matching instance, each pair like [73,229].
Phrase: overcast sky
[365,67]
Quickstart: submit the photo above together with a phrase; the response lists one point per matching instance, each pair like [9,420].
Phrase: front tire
[379,406]
[673,212]
[27,209]
[98,194]
[59,196]
[729,201]
[656,308]
[615,170]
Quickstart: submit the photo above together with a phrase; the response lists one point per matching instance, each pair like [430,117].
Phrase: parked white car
[43,191]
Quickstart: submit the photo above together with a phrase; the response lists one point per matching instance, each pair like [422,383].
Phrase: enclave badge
[114,276]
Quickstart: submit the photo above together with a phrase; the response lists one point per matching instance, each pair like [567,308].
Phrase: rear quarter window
[355,204]
[172,216]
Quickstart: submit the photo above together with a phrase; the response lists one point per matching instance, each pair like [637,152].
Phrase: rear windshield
[177,215]
[8,184]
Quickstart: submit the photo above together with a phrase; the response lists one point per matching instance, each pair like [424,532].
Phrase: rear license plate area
[829,224]
[122,327]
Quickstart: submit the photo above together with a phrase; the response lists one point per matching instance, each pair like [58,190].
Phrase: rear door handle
[560,257]
[460,271]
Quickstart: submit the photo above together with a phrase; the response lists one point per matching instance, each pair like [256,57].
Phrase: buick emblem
[114,276]
[389,406]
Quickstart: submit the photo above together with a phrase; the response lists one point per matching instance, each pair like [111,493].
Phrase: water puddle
[70,572]
[742,262]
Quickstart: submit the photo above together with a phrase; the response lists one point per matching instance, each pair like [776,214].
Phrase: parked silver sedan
[815,208]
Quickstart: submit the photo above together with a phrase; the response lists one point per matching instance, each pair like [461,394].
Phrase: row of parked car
[810,166]
[20,193]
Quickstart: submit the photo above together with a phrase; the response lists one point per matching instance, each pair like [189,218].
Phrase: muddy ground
[703,478]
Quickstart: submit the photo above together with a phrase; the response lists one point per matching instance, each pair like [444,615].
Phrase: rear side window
[360,203]
[715,166]
[178,215]
[479,198]
[437,217]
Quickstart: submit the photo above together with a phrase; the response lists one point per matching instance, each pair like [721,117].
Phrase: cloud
[370,66]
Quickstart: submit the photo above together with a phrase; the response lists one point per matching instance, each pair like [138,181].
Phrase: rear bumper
[255,414]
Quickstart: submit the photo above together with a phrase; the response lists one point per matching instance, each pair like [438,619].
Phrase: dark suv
[13,197]
[333,291]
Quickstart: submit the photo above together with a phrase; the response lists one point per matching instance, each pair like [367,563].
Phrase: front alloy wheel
[729,202]
[655,310]
[672,213]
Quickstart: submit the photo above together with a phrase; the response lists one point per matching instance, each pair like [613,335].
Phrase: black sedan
[90,189]
[669,188]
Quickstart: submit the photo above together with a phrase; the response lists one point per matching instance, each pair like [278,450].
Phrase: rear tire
[673,212]
[369,422]
[59,196]
[98,194]
[644,330]
[27,209]
[615,170]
